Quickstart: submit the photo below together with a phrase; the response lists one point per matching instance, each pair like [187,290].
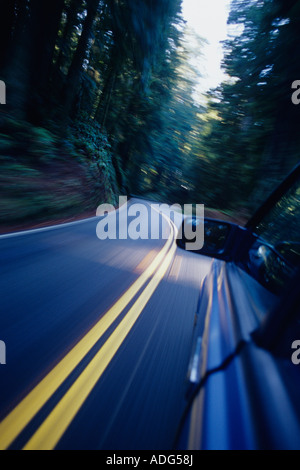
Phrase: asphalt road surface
[98,337]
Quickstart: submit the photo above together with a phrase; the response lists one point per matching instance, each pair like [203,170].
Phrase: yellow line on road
[55,425]
[26,410]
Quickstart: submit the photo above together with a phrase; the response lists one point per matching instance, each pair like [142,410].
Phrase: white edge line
[53,227]
[45,229]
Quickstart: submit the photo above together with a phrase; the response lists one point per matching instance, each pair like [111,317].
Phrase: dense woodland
[101,102]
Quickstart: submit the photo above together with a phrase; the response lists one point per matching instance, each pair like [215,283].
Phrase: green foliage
[251,139]
[53,177]
[92,143]
[89,86]
[101,101]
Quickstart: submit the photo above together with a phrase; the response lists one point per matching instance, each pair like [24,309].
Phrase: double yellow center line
[52,429]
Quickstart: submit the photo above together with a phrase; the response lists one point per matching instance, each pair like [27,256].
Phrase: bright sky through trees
[209,20]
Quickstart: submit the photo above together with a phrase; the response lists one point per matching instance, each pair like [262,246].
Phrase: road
[98,337]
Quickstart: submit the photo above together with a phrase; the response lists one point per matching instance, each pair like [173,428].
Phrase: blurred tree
[74,72]
[45,18]
[123,68]
[109,63]
[7,24]
[253,142]
[72,21]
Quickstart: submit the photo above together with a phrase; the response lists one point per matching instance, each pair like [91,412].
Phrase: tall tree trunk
[45,23]
[15,67]
[73,79]
[105,98]
[108,87]
[67,33]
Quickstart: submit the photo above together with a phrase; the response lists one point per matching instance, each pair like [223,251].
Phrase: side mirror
[216,235]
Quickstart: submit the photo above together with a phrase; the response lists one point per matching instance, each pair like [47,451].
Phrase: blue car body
[244,375]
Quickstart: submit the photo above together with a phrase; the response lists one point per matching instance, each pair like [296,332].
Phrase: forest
[100,102]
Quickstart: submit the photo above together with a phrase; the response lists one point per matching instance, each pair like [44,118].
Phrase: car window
[276,254]
[282,224]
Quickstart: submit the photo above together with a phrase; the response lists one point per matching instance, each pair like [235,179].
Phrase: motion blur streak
[53,428]
[145,262]
[20,417]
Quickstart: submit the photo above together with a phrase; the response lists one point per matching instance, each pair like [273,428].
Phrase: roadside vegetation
[101,102]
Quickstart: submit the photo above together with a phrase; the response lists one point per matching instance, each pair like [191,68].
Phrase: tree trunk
[105,97]
[15,69]
[73,79]
[45,23]
[67,33]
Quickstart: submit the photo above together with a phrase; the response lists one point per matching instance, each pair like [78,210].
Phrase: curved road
[98,336]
